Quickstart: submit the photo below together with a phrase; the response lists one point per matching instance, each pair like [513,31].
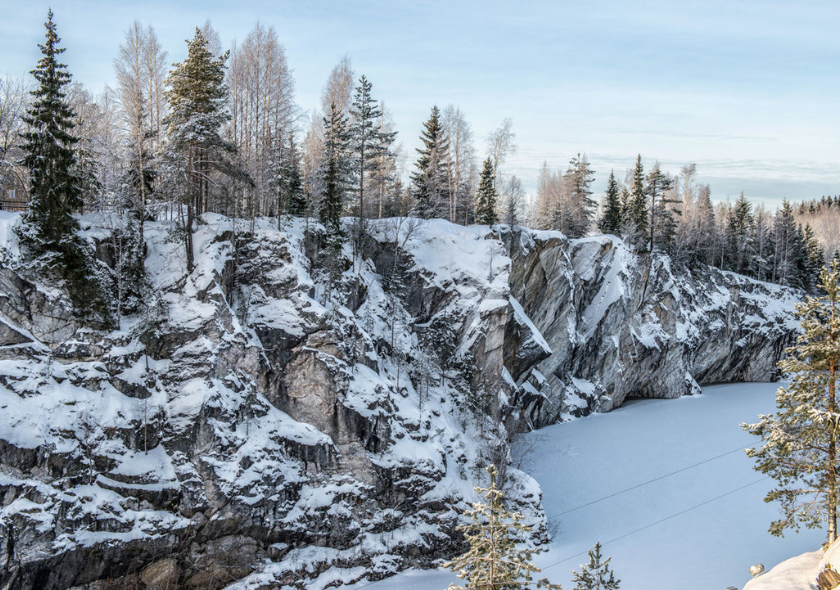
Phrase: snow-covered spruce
[280,418]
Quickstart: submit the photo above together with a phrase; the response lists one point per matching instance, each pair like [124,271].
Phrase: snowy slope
[666,488]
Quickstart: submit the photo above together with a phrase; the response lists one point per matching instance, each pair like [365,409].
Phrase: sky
[747,90]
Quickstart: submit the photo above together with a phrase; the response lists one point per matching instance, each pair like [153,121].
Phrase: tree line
[220,132]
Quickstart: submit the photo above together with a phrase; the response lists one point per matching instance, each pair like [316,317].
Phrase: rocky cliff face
[622,325]
[288,415]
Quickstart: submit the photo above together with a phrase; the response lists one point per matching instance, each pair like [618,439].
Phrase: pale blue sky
[748,90]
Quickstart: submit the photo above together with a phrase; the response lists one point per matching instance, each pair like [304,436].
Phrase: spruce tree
[788,247]
[610,222]
[336,169]
[739,235]
[485,198]
[369,142]
[55,190]
[295,199]
[55,186]
[636,216]
[197,111]
[493,562]
[800,440]
[430,186]
[596,575]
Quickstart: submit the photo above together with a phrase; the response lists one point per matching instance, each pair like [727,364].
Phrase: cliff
[291,415]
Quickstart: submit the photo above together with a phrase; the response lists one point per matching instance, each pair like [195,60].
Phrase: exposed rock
[267,422]
[621,325]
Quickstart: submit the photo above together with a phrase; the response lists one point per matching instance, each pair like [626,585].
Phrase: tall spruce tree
[430,180]
[197,111]
[336,169]
[800,440]
[485,198]
[493,561]
[739,236]
[55,190]
[610,222]
[55,186]
[368,140]
[788,247]
[636,216]
[596,575]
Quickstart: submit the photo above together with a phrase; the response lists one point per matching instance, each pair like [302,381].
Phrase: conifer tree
[812,259]
[661,224]
[596,575]
[369,142]
[800,440]
[335,171]
[55,190]
[740,235]
[581,206]
[485,199]
[493,562]
[198,97]
[55,186]
[636,214]
[610,222]
[788,247]
[430,180]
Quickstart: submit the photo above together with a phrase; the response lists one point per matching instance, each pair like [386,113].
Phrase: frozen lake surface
[666,488]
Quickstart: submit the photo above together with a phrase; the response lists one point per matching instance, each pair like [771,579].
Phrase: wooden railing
[13,205]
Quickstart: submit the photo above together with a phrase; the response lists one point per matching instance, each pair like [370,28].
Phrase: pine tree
[430,188]
[661,224]
[800,439]
[610,222]
[55,187]
[197,111]
[485,199]
[579,177]
[596,575]
[493,562]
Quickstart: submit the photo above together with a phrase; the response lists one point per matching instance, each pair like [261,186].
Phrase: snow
[666,488]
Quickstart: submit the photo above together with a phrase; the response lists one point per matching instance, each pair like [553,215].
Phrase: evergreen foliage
[55,183]
[368,140]
[636,213]
[493,561]
[596,575]
[336,170]
[800,440]
[485,198]
[661,224]
[579,177]
[739,235]
[430,180]
[610,222]
[197,97]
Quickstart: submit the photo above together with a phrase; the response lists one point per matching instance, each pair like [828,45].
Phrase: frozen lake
[666,488]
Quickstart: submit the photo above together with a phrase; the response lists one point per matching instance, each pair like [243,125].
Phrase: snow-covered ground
[664,485]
